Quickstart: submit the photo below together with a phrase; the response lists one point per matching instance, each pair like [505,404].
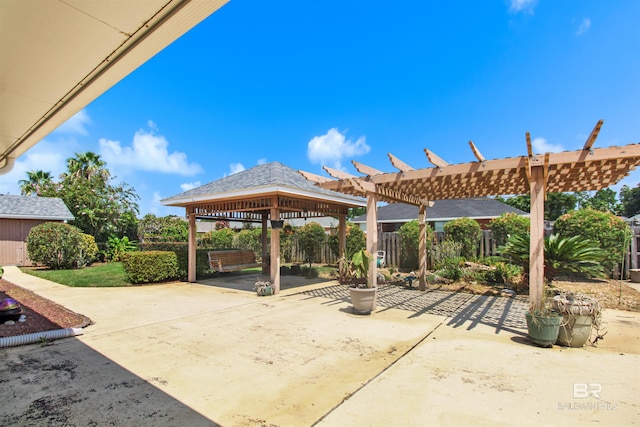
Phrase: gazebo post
[536,245]
[422,248]
[191,249]
[275,252]
[265,240]
[372,237]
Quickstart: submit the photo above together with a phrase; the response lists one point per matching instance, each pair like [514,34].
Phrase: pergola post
[275,252]
[342,238]
[265,240]
[372,237]
[536,245]
[191,249]
[422,248]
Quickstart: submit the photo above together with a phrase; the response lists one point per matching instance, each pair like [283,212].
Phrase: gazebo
[268,192]
[582,170]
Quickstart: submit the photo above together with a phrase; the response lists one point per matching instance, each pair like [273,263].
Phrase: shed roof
[33,207]
[444,210]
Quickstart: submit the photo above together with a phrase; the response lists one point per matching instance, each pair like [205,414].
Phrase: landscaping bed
[41,314]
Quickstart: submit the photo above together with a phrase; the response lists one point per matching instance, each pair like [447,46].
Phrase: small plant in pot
[354,273]
[580,315]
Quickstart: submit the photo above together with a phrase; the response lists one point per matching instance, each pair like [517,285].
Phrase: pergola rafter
[536,174]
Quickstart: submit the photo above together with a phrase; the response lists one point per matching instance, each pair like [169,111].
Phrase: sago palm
[561,255]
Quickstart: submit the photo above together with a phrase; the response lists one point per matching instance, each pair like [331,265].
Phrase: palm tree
[87,165]
[561,255]
[38,183]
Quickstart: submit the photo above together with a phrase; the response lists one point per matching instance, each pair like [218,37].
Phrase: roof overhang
[58,56]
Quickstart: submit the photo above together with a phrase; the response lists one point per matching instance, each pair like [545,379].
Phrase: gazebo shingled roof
[268,191]
[247,194]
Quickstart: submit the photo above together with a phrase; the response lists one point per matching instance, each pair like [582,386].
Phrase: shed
[18,215]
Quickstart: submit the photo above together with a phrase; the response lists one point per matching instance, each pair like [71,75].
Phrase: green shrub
[180,249]
[310,237]
[219,239]
[561,255]
[150,267]
[248,239]
[88,249]
[611,232]
[503,273]
[452,268]
[508,224]
[309,272]
[57,246]
[410,241]
[465,231]
[444,251]
[355,241]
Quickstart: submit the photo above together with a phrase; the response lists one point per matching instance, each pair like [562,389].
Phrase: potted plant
[580,313]
[573,255]
[354,273]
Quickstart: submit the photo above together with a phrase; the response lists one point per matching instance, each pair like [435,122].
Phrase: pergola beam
[313,177]
[399,164]
[594,134]
[476,152]
[366,170]
[435,159]
[337,173]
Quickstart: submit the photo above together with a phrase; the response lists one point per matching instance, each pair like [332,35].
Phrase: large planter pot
[575,330]
[363,299]
[634,275]
[543,330]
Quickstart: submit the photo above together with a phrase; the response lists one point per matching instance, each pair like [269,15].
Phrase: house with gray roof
[18,215]
[482,209]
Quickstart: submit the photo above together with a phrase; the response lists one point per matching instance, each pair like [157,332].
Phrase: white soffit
[56,56]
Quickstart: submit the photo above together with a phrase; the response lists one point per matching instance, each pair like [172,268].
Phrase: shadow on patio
[461,309]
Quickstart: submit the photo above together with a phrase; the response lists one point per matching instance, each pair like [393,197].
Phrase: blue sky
[308,83]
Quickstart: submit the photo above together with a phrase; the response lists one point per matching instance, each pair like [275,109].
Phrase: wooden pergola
[536,174]
[268,192]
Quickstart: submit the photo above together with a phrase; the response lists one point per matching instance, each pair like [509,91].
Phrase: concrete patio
[203,354]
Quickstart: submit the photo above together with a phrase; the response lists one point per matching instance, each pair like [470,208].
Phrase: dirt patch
[41,314]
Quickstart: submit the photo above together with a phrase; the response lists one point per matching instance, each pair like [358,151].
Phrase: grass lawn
[98,276]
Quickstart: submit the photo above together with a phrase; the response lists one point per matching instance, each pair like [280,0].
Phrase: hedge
[150,266]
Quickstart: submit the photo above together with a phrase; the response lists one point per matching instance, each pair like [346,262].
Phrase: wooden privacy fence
[390,244]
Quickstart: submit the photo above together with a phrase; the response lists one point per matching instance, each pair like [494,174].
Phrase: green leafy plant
[117,247]
[355,240]
[508,224]
[609,231]
[410,240]
[562,255]
[354,271]
[445,250]
[465,231]
[310,237]
[59,246]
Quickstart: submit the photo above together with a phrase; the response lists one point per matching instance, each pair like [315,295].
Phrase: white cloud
[190,185]
[332,147]
[522,5]
[262,161]
[541,145]
[148,152]
[583,27]
[46,156]
[76,125]
[235,168]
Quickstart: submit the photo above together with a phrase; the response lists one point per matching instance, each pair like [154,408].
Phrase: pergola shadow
[501,313]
